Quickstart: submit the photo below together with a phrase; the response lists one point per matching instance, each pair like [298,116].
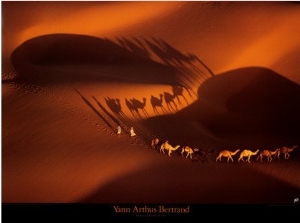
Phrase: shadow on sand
[252,107]
[68,58]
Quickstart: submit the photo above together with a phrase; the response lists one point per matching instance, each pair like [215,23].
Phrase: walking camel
[167,146]
[154,143]
[228,154]
[203,154]
[248,154]
[189,151]
[286,151]
[268,154]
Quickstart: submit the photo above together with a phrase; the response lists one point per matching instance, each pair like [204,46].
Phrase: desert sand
[209,75]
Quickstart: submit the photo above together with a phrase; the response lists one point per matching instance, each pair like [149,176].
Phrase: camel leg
[278,155]
[182,151]
[248,159]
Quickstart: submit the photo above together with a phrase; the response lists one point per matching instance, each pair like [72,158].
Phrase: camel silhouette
[178,92]
[134,111]
[169,99]
[139,105]
[157,102]
[114,105]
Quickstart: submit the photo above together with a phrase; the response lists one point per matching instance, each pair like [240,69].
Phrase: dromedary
[228,154]
[154,143]
[286,151]
[189,151]
[267,153]
[167,146]
[203,154]
[248,154]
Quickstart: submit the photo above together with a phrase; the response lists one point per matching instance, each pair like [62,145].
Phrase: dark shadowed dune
[63,58]
[72,73]
[258,101]
[249,106]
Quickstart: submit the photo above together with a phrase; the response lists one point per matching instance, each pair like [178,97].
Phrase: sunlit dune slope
[213,75]
[226,35]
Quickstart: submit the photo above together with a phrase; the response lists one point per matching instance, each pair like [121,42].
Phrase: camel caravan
[196,154]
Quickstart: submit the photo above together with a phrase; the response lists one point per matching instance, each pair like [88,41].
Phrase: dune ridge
[205,74]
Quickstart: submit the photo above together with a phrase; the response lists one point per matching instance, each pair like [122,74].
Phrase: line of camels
[245,155]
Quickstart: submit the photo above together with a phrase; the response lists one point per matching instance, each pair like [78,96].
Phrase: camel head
[176,147]
[236,151]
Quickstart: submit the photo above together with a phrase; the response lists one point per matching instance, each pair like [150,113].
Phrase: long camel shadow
[157,102]
[94,109]
[140,105]
[134,106]
[115,105]
[68,58]
[115,120]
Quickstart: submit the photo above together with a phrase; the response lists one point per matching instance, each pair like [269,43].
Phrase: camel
[286,151]
[248,154]
[228,154]
[189,151]
[203,154]
[268,154]
[167,146]
[154,143]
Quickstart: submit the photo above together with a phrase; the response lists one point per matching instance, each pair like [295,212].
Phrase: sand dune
[211,75]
